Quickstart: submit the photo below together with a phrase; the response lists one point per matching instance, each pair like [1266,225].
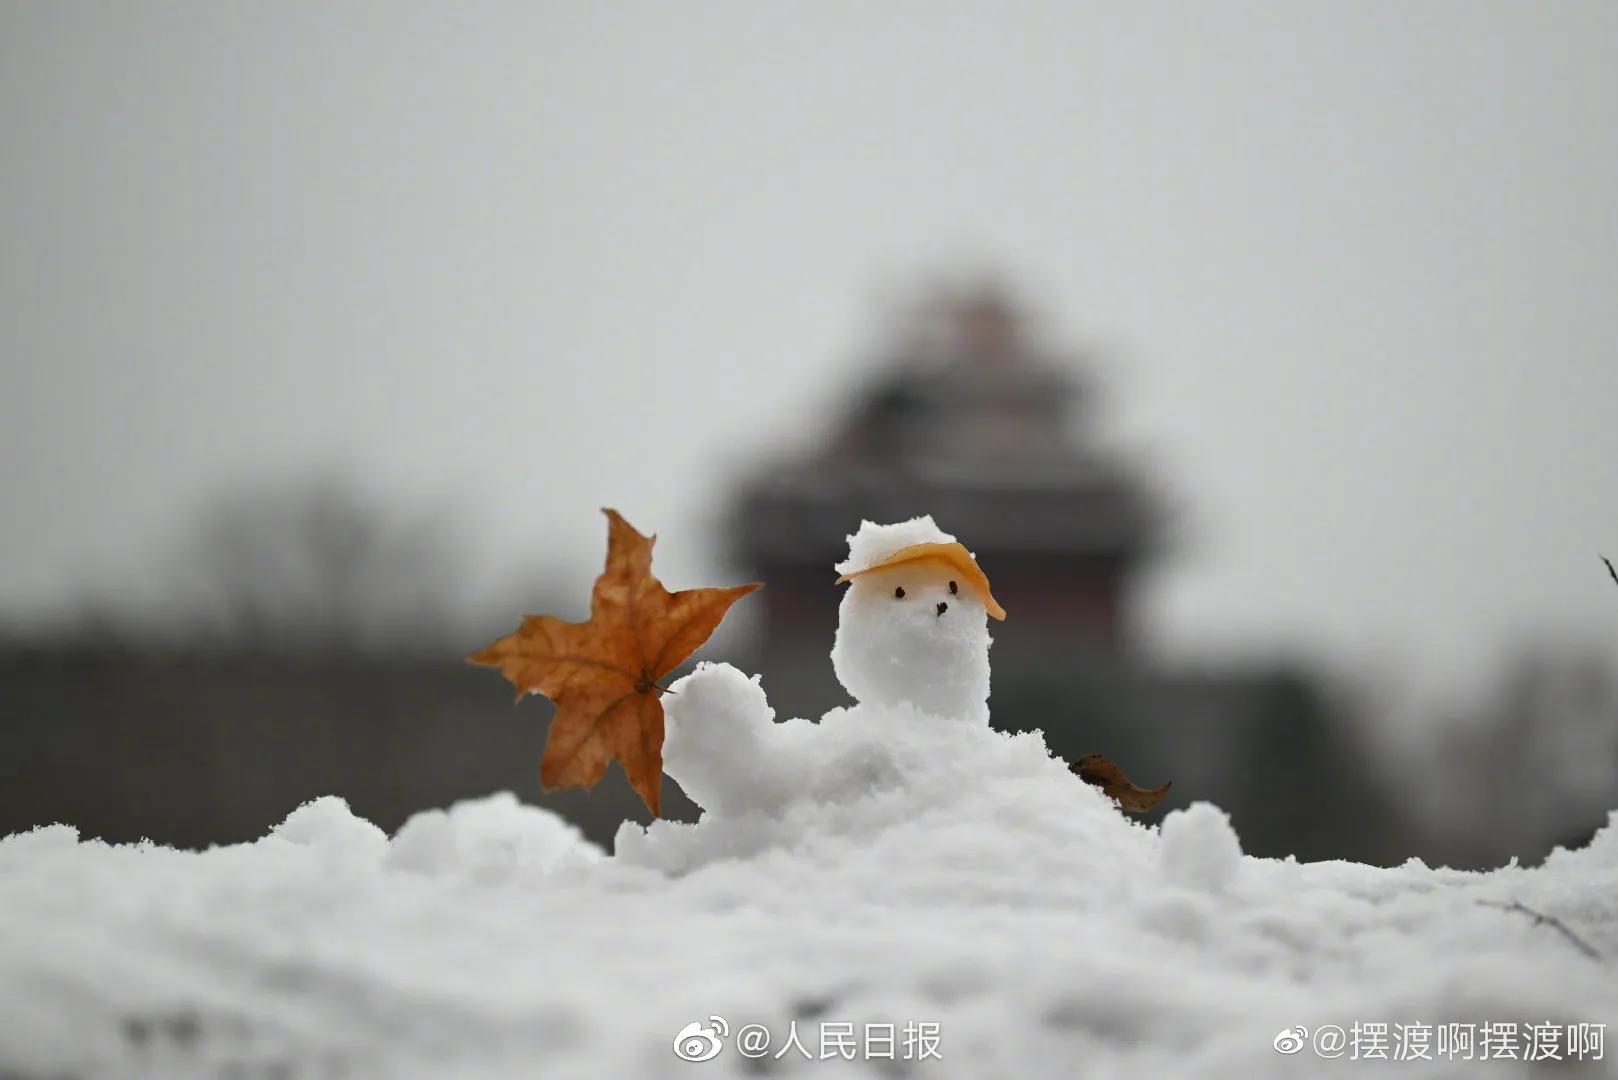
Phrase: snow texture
[1200,849]
[891,862]
[942,873]
[873,542]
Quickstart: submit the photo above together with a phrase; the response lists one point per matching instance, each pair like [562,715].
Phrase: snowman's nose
[942,607]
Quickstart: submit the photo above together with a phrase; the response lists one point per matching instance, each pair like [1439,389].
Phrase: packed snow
[894,889]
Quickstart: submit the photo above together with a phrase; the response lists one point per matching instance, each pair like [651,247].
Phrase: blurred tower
[971,423]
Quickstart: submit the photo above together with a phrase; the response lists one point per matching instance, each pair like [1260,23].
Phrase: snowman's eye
[952,589]
[899,593]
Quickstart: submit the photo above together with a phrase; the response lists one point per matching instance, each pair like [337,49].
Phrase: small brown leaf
[1097,770]
[604,673]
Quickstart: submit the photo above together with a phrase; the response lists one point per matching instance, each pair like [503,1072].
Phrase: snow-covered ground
[937,874]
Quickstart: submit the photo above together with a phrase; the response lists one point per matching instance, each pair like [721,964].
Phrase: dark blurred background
[1263,356]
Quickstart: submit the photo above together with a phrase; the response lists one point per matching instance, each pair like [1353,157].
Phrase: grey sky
[1352,267]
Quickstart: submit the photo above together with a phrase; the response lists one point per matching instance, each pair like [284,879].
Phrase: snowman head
[913,625]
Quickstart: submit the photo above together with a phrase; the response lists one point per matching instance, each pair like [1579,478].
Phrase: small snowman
[912,646]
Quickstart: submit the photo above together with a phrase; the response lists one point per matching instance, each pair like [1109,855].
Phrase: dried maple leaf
[604,674]
[1100,771]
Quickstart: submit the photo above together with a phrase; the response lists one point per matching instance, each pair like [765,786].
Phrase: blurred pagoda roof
[970,421]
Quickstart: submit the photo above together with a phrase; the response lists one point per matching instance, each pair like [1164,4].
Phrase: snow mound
[1199,849]
[327,824]
[864,779]
[913,870]
[489,839]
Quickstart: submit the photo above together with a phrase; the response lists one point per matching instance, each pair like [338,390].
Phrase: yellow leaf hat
[954,555]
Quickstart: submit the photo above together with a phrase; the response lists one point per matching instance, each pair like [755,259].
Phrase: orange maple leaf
[604,673]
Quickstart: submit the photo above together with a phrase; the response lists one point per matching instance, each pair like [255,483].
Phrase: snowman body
[912,641]
[915,632]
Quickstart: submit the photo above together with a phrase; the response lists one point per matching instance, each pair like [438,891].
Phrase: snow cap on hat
[877,546]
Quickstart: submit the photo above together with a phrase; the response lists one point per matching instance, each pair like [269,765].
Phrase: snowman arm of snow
[722,744]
